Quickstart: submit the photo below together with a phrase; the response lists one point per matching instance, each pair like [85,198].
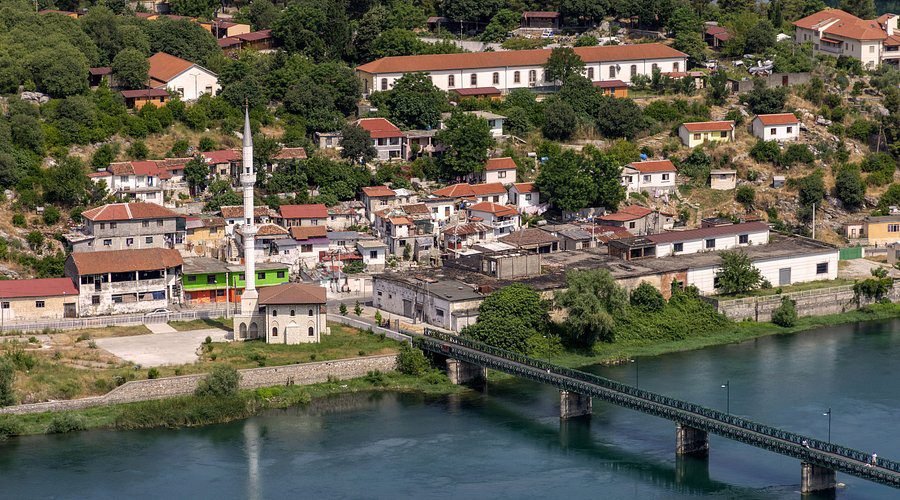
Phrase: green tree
[343,309]
[560,121]
[647,298]
[797,153]
[466,139]
[501,24]
[593,300]
[696,166]
[130,67]
[413,102]
[849,187]
[66,182]
[104,155]
[411,360]
[563,179]
[181,38]
[517,306]
[863,9]
[319,30]
[470,10]
[196,173]
[262,14]
[737,274]
[193,8]
[766,151]
[26,132]
[619,117]
[718,88]
[745,195]
[357,309]
[7,379]
[692,44]
[398,42]
[221,382]
[51,215]
[761,37]
[762,100]
[133,37]
[811,189]
[62,72]
[137,151]
[35,240]
[562,64]
[785,315]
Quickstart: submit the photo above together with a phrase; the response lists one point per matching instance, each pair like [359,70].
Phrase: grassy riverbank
[190,411]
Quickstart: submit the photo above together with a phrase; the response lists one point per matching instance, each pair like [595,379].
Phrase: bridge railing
[666,401]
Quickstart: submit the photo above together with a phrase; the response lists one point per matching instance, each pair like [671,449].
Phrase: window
[711,243]
[590,74]
[532,76]
[306,248]
[107,243]
[822,268]
[159,223]
[145,223]
[871,49]
[612,71]
[39,304]
[274,312]
[517,78]
[280,274]
[439,312]
[633,70]
[696,137]
[654,67]
[95,300]
[293,312]
[180,91]
[260,276]
[723,134]
[112,225]
[312,332]
[743,239]
[220,293]
[274,331]
[373,254]
[646,178]
[678,247]
[5,305]
[790,129]
[665,177]
[384,84]
[210,279]
[241,276]
[772,131]
[631,225]
[473,79]
[495,78]
[528,197]
[102,225]
[310,313]
[148,240]
[451,81]
[501,174]
[893,228]
[129,241]
[208,89]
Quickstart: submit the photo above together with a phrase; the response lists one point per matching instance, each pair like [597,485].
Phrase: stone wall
[251,378]
[833,300]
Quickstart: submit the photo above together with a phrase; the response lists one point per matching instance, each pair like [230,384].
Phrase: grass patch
[203,324]
[799,287]
[105,332]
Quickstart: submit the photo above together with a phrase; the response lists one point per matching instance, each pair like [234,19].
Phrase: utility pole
[814,221]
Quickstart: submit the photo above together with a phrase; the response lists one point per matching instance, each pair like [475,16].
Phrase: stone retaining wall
[251,378]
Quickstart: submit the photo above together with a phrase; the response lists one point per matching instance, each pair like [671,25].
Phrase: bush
[7,378]
[376,378]
[765,151]
[411,360]
[797,153]
[786,314]
[9,427]
[18,220]
[137,151]
[343,309]
[647,298]
[152,373]
[745,195]
[51,215]
[222,381]
[65,422]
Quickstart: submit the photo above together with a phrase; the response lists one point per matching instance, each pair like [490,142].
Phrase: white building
[294,313]
[508,70]
[710,238]
[834,32]
[182,77]
[374,254]
[388,140]
[442,210]
[447,304]
[777,127]
[654,176]
[504,219]
[526,198]
[495,121]
[493,192]
[502,170]
[722,179]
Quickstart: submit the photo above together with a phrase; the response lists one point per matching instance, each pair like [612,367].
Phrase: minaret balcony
[248,179]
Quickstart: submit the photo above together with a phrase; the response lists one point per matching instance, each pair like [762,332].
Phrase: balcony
[503,223]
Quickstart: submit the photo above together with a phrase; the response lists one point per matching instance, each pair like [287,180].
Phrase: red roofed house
[638,220]
[526,198]
[540,19]
[716,36]
[512,69]
[694,134]
[386,137]
[35,299]
[777,127]
[134,180]
[502,170]
[302,215]
[137,99]
[121,226]
[504,219]
[180,76]
[836,33]
[655,177]
[493,192]
[614,88]
[223,163]
[301,250]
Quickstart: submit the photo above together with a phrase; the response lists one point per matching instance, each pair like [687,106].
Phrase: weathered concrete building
[123,226]
[447,304]
[36,299]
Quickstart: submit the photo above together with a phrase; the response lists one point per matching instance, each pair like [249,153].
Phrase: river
[506,442]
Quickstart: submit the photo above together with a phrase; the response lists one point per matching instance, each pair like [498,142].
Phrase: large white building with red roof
[653,176]
[836,33]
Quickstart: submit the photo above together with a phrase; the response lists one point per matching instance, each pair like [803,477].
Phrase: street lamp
[637,372]
[828,414]
[727,387]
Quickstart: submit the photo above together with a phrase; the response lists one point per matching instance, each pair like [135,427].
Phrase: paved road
[159,349]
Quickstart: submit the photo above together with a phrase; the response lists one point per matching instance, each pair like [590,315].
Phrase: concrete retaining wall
[834,300]
[251,378]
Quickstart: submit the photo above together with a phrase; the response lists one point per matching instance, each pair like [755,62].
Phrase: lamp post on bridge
[727,387]
[828,414]
[637,372]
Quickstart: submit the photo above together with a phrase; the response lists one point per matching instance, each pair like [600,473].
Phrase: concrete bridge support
[814,478]
[461,372]
[690,441]
[572,404]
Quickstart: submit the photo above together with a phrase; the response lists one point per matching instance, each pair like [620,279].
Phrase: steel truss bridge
[806,449]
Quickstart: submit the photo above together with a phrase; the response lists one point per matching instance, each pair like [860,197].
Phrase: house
[503,219]
[234,216]
[459,237]
[540,19]
[221,28]
[345,214]
[303,248]
[315,214]
[492,192]
[570,236]
[508,70]
[122,226]
[329,140]
[526,198]
[224,163]
[722,179]
[125,281]
[399,231]
[444,303]
[209,281]
[442,209]
[137,99]
[204,236]
[266,235]
[492,93]
[777,127]
[638,220]
[502,170]
[285,155]
[294,312]
[187,79]
[613,88]
[696,133]
[421,143]
[653,176]
[854,230]
[835,33]
[376,198]
[532,239]
[374,254]
[495,121]
[386,137]
[37,299]
[140,181]
[704,239]
[96,75]
[716,36]
[881,230]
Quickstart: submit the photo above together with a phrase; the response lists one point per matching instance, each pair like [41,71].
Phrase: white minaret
[247,324]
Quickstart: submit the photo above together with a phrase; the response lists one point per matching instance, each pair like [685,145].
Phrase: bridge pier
[572,404]
[690,441]
[461,372]
[814,478]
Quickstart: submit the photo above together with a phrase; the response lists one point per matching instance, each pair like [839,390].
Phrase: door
[784,276]
[407,308]
[69,310]
[784,80]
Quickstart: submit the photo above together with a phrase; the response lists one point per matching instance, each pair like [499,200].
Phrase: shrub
[207,340]
[220,382]
[18,220]
[51,215]
[411,360]
[797,153]
[378,318]
[745,195]
[20,359]
[65,422]
[9,427]
[152,373]
[647,298]
[7,377]
[343,309]
[376,378]
[786,314]
[765,151]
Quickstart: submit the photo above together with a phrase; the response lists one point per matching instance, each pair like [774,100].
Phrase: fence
[119,320]
[851,253]
[363,325]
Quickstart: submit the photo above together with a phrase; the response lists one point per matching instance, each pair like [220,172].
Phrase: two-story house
[776,127]
[304,247]
[313,214]
[204,236]
[208,281]
[134,180]
[502,170]
[835,33]
[346,214]
[526,198]
[494,192]
[503,219]
[121,226]
[234,216]
[694,134]
[639,220]
[653,176]
[125,281]
[386,137]
[376,198]
[223,163]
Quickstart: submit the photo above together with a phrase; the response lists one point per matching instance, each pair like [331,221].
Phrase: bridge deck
[806,449]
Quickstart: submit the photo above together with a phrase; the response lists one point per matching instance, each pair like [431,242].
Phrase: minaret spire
[248,180]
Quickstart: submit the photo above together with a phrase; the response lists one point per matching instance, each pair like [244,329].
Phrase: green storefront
[206,280]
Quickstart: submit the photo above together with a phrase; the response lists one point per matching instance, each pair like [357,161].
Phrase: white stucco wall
[803,269]
[722,243]
[193,83]
[764,132]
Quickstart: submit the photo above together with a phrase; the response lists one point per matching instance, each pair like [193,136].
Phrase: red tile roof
[611,84]
[309,211]
[44,287]
[857,30]
[818,19]
[255,36]
[778,119]
[505,163]
[237,211]
[708,232]
[291,154]
[463,190]
[652,166]
[228,41]
[128,211]
[100,70]
[627,213]
[266,229]
[719,32]
[400,221]
[303,233]
[718,126]
[221,156]
[476,91]
[378,191]
[604,234]
[292,293]
[526,187]
[147,93]
[494,208]
[164,67]
[473,60]
[121,261]
[466,229]
[379,128]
